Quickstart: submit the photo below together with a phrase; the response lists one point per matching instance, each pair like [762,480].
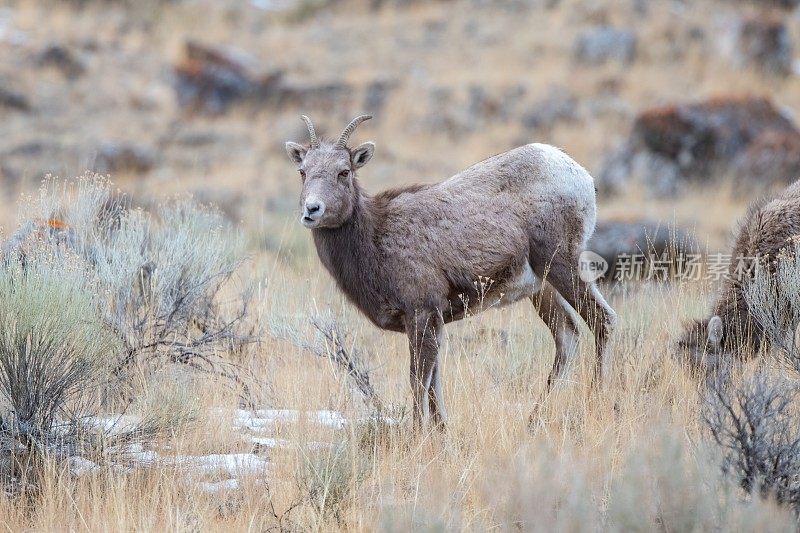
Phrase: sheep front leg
[423,331]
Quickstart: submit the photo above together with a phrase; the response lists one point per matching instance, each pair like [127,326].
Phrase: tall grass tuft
[54,359]
[773,297]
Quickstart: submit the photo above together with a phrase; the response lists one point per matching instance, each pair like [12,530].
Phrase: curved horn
[311,132]
[342,142]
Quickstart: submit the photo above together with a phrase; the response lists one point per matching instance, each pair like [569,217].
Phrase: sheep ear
[361,155]
[715,331]
[297,152]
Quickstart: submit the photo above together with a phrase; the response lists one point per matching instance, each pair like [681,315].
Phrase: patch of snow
[269,442]
[262,418]
[231,463]
[219,486]
[134,447]
[114,423]
[332,419]
[79,466]
[265,418]
[120,469]
[144,457]
[388,420]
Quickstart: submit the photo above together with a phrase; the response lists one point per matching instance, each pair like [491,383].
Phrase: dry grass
[632,457]
[421,49]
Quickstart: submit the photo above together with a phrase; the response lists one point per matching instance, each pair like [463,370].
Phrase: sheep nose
[312,212]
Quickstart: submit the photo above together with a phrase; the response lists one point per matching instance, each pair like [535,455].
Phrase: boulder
[317,96]
[640,249]
[52,232]
[210,79]
[763,42]
[376,95]
[62,58]
[673,145]
[112,158]
[771,162]
[11,99]
[602,44]
[492,104]
[560,106]
[785,4]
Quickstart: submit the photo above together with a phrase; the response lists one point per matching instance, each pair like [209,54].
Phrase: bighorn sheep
[415,258]
[767,230]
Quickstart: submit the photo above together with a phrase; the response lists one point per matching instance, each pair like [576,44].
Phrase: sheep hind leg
[586,299]
[562,321]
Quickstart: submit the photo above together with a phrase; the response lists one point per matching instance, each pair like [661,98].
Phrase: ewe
[414,258]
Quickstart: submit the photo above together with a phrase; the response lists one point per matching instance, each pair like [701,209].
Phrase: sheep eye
[303,174]
[344,173]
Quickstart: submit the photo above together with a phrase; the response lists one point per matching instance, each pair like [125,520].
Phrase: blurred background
[683,111]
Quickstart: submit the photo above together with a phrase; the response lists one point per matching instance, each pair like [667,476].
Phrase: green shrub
[54,350]
[160,274]
[94,295]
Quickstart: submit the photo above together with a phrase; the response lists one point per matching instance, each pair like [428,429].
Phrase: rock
[210,79]
[772,161]
[53,233]
[219,486]
[22,164]
[9,177]
[763,42]
[716,129]
[60,57]
[672,145]
[559,106]
[376,95]
[33,148]
[11,99]
[785,4]
[112,158]
[325,96]
[78,466]
[602,44]
[641,8]
[642,248]
[488,105]
[447,112]
[443,115]
[197,139]
[661,175]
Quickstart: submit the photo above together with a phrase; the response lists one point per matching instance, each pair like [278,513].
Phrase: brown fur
[414,258]
[765,231]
